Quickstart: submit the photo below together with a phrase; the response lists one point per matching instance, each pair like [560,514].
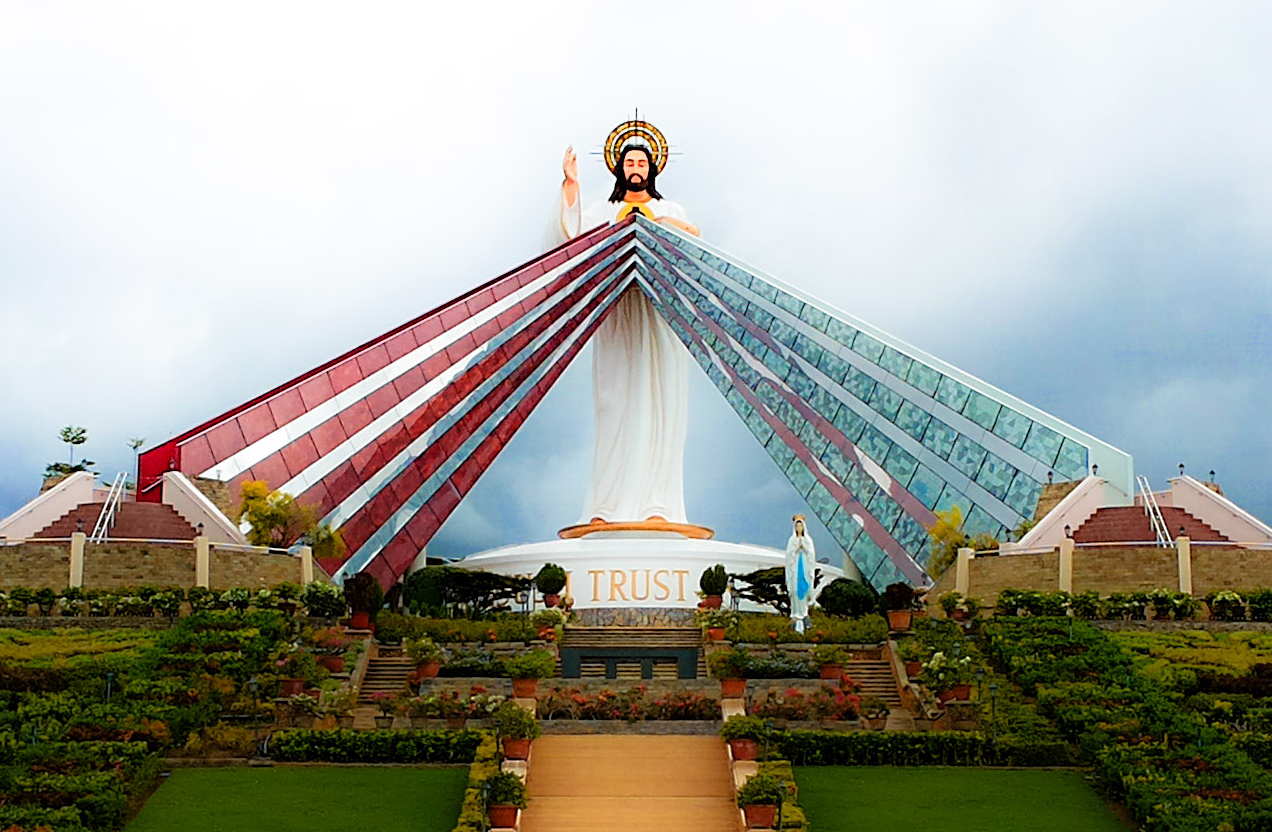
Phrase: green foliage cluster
[503,628]
[847,599]
[631,705]
[485,764]
[532,664]
[448,591]
[713,580]
[515,722]
[1163,603]
[923,748]
[550,579]
[1177,773]
[347,746]
[763,628]
[762,789]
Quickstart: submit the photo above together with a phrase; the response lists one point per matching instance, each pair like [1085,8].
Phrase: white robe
[640,391]
[800,552]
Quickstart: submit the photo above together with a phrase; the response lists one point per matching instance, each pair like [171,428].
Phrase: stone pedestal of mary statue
[639,366]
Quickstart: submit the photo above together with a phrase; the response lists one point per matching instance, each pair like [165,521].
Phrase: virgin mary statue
[639,366]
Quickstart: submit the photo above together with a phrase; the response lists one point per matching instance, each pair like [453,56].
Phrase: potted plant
[912,653]
[426,655]
[365,597]
[716,622]
[713,582]
[527,669]
[287,597]
[505,796]
[322,600]
[168,601]
[898,602]
[302,707]
[759,798]
[730,667]
[875,712]
[547,621]
[339,705]
[550,581]
[948,678]
[385,701]
[950,604]
[454,708]
[830,659]
[743,734]
[517,729]
[294,669]
[330,643]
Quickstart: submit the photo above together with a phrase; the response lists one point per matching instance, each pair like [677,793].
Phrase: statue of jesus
[639,366]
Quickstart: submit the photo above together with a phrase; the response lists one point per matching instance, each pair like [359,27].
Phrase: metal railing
[101,529]
[1154,513]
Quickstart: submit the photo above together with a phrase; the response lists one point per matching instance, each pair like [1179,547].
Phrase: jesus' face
[636,170]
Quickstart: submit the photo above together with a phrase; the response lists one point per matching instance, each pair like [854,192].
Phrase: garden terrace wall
[227,568]
[35,565]
[1115,569]
[989,576]
[1215,568]
[117,565]
[755,688]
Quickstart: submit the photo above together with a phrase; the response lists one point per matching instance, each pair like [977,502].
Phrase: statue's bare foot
[655,518]
[599,521]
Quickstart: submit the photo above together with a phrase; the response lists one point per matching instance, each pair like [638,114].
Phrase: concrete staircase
[133,521]
[1129,524]
[595,642]
[876,679]
[384,675]
[630,784]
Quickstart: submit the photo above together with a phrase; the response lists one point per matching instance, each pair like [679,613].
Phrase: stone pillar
[1183,546]
[306,564]
[1066,565]
[963,570]
[202,561]
[76,578]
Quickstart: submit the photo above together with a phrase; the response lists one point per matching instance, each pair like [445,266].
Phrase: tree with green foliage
[278,519]
[72,435]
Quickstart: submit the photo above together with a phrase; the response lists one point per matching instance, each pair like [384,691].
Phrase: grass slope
[884,799]
[302,799]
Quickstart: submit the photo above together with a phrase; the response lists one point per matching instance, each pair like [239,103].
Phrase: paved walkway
[630,784]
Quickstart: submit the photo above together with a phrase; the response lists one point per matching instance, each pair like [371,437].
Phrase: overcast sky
[1071,201]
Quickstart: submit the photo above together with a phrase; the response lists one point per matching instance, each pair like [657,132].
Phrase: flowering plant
[793,703]
[942,673]
[633,705]
[330,640]
[385,701]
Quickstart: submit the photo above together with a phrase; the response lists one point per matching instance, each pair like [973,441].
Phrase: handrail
[1154,513]
[101,529]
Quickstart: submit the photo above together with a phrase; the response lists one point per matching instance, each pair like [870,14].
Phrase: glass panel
[967,456]
[995,475]
[924,378]
[939,438]
[895,362]
[810,351]
[886,400]
[912,419]
[953,498]
[912,537]
[1043,444]
[821,502]
[762,318]
[900,465]
[849,424]
[836,462]
[873,443]
[781,454]
[765,290]
[841,332]
[981,409]
[868,346]
[859,384]
[885,509]
[843,528]
[760,428]
[814,441]
[776,363]
[861,485]
[783,333]
[824,403]
[799,475]
[979,522]
[1023,495]
[801,384]
[833,366]
[926,486]
[814,317]
[1012,427]
[1071,462]
[952,394]
[867,556]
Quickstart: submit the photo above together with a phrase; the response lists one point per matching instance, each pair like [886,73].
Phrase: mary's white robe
[801,562]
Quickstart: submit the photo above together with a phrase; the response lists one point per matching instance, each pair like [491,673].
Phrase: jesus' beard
[637,183]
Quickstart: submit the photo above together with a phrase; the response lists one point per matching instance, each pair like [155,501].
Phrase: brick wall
[115,565]
[1133,569]
[35,565]
[249,569]
[1214,568]
[991,575]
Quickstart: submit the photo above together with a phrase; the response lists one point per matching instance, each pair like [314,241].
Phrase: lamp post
[110,686]
[255,684]
[993,712]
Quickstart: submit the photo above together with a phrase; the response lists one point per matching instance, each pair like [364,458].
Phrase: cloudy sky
[1071,201]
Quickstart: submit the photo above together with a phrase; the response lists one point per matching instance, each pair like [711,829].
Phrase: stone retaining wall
[35,565]
[635,617]
[116,565]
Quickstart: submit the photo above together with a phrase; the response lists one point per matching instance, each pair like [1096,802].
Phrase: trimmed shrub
[847,599]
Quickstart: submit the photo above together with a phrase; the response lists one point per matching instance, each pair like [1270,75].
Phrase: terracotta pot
[547,633]
[427,670]
[876,723]
[516,749]
[732,688]
[551,600]
[831,671]
[760,815]
[291,687]
[715,633]
[502,816]
[383,722]
[961,692]
[304,720]
[456,723]
[899,619]
[913,669]
[418,722]
[344,721]
[959,615]
[744,749]
[334,664]
[360,621]
[712,602]
[524,688]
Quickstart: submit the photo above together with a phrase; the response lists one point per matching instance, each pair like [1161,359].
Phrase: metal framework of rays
[875,435]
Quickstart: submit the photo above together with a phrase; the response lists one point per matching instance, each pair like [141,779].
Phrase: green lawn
[885,799]
[303,799]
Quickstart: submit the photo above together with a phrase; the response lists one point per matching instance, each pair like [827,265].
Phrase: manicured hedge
[472,812]
[341,745]
[920,748]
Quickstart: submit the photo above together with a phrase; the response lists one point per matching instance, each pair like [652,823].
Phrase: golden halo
[636,132]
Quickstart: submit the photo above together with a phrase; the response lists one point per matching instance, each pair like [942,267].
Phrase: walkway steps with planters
[630,784]
[632,653]
[876,679]
[384,675]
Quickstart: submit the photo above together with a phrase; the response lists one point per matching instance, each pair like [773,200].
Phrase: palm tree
[73,436]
